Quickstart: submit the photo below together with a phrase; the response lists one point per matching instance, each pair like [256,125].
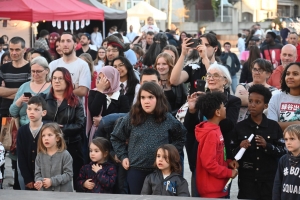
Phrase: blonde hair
[54,127]
[169,62]
[88,58]
[293,129]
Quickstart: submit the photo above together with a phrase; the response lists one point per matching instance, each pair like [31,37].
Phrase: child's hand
[38,185]
[47,182]
[30,185]
[233,164]
[88,184]
[245,144]
[96,167]
[260,141]
[125,163]
[234,173]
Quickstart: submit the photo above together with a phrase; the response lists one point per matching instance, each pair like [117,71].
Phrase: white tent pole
[103,27]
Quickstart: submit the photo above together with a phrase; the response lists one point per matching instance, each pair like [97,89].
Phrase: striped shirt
[13,78]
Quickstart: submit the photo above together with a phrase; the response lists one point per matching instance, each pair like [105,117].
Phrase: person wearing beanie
[115,48]
[85,40]
[42,42]
[271,50]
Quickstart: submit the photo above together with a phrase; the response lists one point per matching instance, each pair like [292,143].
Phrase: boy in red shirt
[212,172]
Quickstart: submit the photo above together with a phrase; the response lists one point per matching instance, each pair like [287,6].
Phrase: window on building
[296,10]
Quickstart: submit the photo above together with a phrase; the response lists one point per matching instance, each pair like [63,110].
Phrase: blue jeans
[234,83]
[20,178]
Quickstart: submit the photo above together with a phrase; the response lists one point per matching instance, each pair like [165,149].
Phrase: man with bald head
[288,55]
[293,39]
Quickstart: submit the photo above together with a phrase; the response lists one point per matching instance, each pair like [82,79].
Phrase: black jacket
[72,118]
[235,63]
[173,185]
[181,95]
[97,100]
[246,74]
[233,105]
[257,163]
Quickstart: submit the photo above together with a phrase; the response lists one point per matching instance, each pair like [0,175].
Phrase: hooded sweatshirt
[212,171]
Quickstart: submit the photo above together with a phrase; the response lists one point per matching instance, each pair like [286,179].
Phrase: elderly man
[293,39]
[288,55]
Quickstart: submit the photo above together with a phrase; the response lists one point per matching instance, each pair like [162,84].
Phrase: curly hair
[139,116]
[173,157]
[284,87]
[159,42]
[208,103]
[262,90]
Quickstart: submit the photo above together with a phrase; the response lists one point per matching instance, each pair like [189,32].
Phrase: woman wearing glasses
[100,60]
[40,83]
[217,79]
[208,49]
[261,70]
[64,108]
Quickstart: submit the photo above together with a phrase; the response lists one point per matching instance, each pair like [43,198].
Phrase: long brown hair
[54,127]
[254,53]
[139,116]
[88,58]
[174,50]
[98,58]
[173,157]
[169,62]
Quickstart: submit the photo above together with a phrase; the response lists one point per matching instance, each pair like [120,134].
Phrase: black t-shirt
[194,75]
[92,52]
[13,78]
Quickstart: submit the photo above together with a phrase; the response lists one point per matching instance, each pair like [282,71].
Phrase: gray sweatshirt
[58,168]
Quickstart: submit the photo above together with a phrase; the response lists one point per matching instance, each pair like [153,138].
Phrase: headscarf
[113,76]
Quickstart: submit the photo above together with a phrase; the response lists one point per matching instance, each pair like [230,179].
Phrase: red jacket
[298,52]
[275,78]
[212,171]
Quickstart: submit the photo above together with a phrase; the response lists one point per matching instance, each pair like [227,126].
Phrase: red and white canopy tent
[48,10]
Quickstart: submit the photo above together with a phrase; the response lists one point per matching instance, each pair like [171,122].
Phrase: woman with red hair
[64,108]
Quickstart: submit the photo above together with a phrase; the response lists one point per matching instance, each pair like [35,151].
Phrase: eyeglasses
[37,71]
[214,76]
[255,70]
[101,52]
[112,50]
[119,65]
[59,79]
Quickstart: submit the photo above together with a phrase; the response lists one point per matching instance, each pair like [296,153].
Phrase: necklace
[41,88]
[164,85]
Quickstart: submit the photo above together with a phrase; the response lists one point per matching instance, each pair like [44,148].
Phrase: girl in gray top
[53,164]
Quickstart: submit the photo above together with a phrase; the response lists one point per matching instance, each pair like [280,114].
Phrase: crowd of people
[112,115]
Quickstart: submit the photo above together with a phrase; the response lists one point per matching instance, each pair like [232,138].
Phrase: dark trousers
[250,189]
[75,149]
[135,179]
[122,185]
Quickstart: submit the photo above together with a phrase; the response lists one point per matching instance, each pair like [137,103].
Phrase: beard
[68,52]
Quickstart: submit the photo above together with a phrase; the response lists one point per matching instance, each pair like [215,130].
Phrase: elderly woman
[40,83]
[217,79]
[64,108]
[261,71]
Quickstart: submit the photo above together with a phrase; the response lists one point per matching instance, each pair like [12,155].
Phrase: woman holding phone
[40,83]
[208,50]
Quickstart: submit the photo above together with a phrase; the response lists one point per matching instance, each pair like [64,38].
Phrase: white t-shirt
[78,69]
[151,28]
[284,108]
